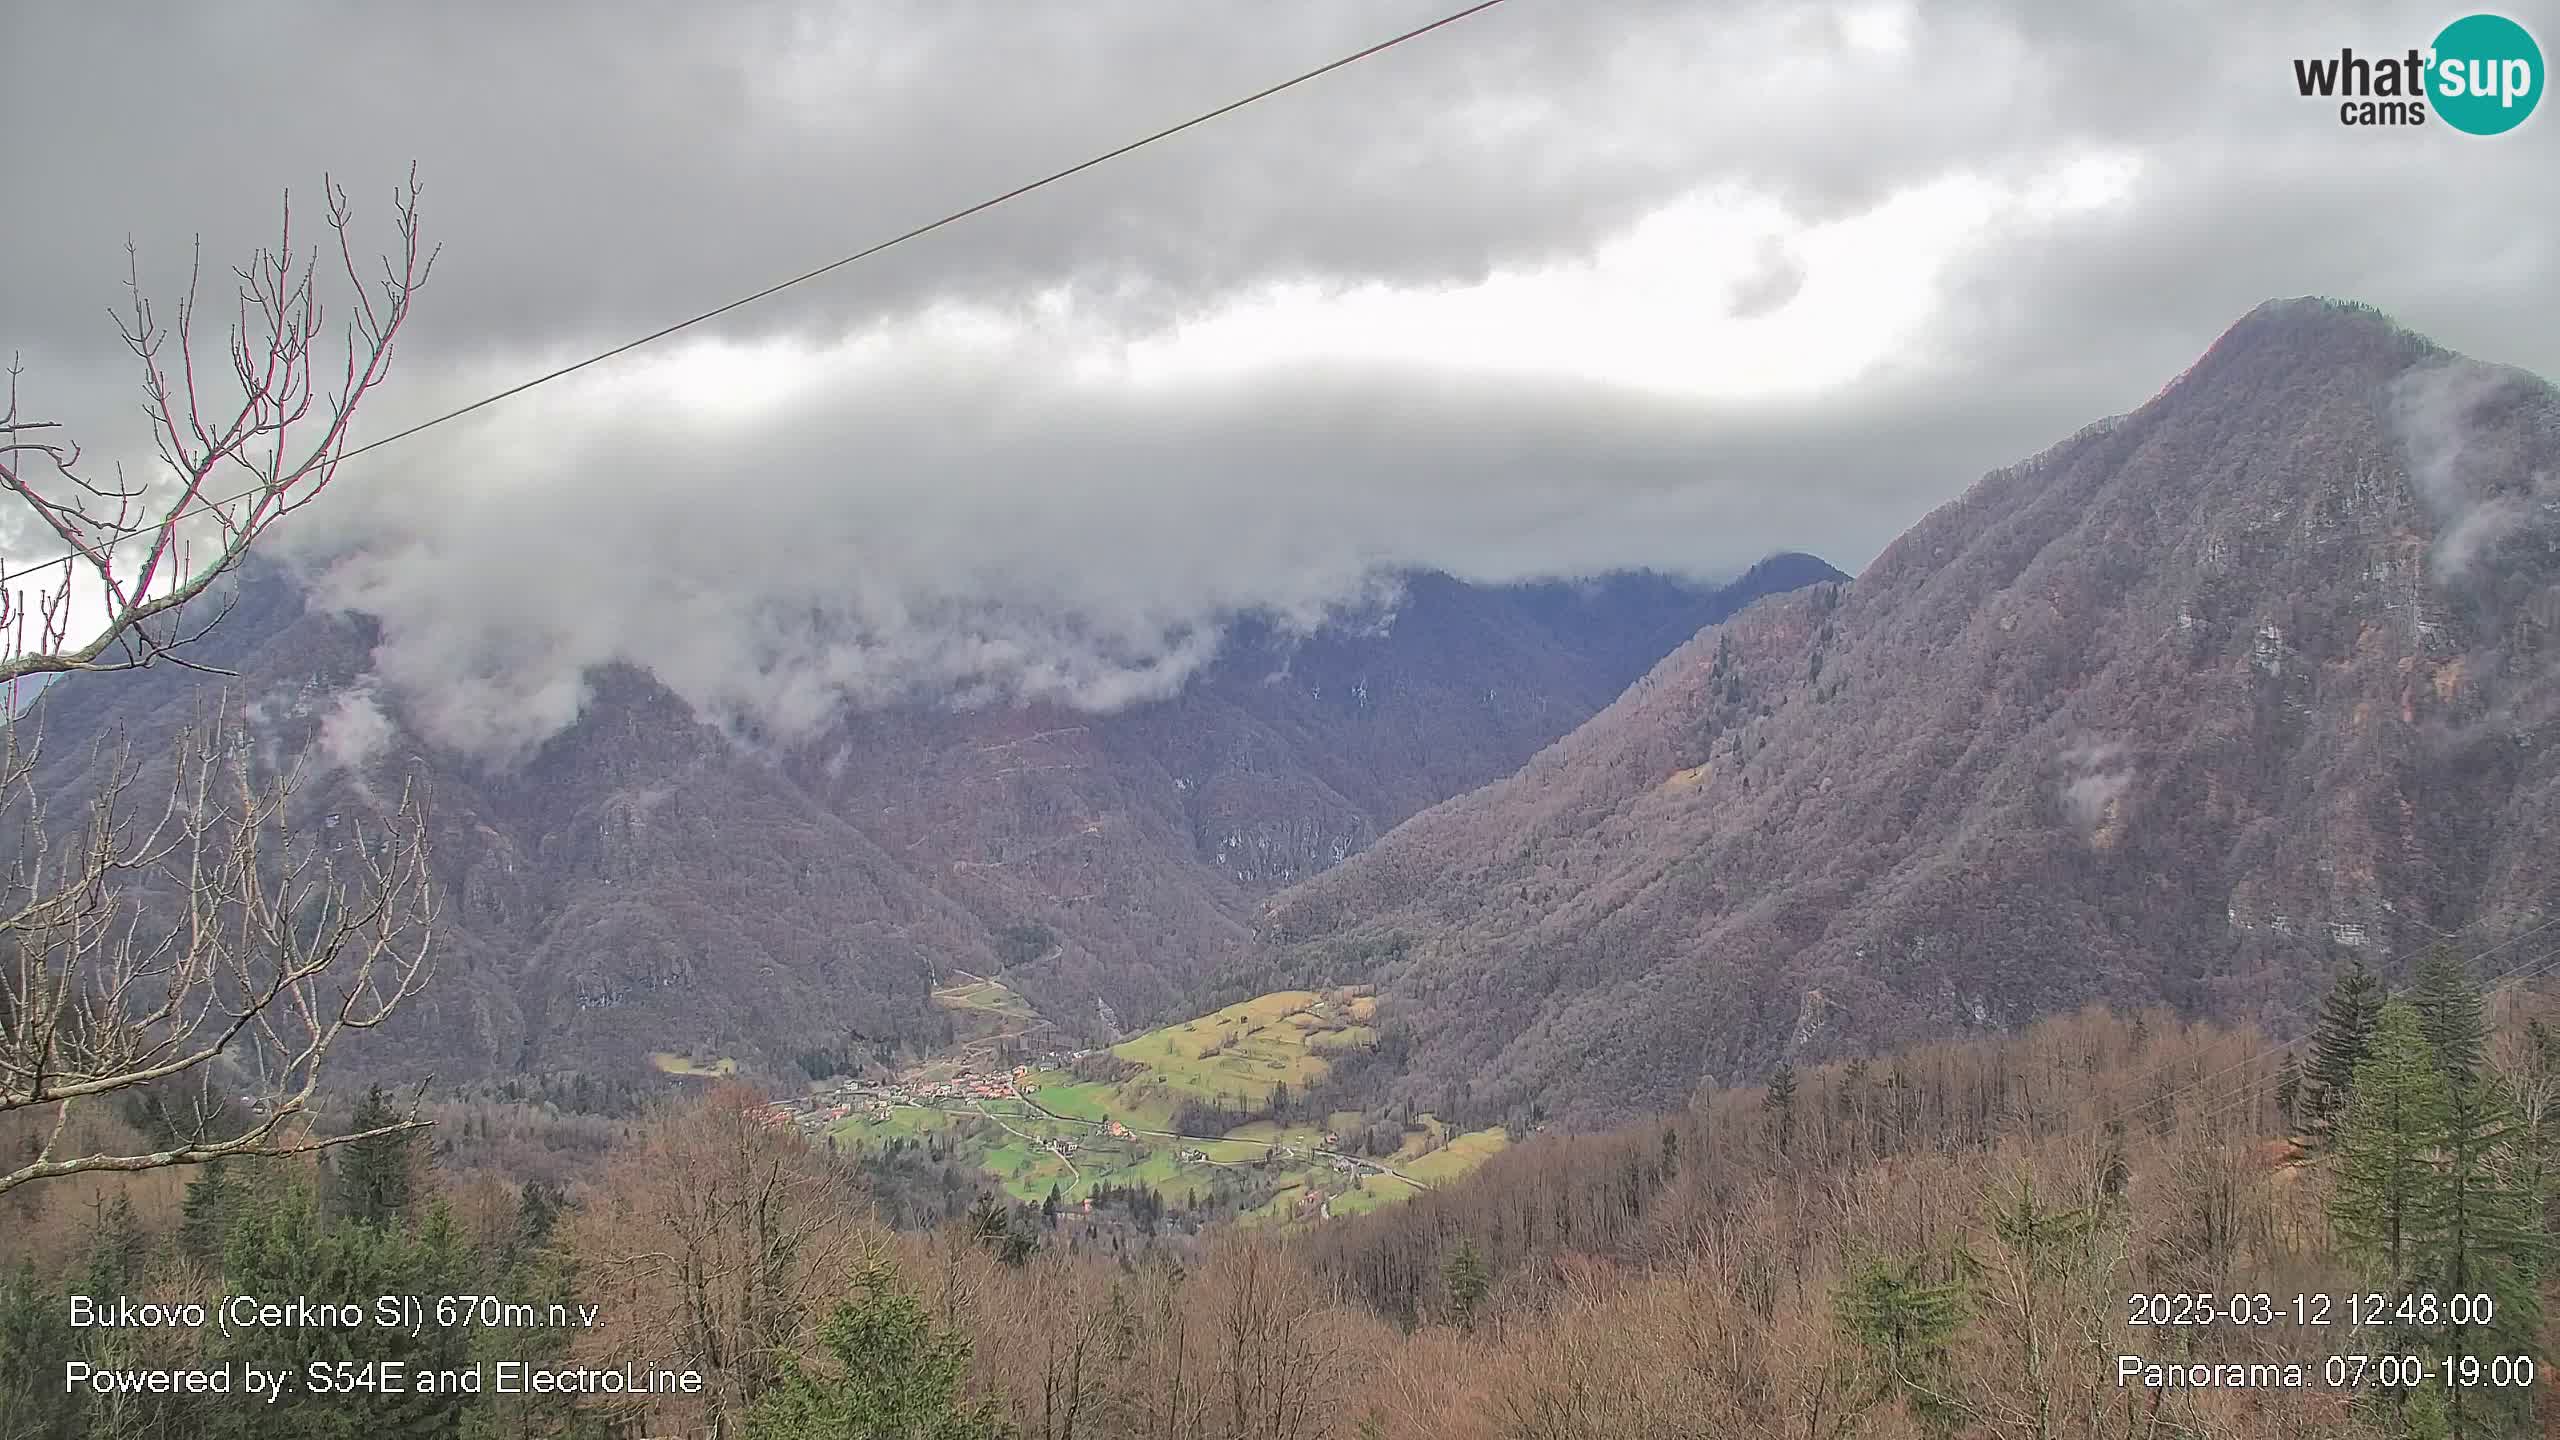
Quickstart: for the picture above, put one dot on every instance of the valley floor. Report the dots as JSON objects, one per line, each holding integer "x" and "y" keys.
{"x": 1036, "y": 1127}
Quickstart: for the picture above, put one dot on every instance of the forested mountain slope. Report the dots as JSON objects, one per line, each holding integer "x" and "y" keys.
{"x": 646, "y": 883}
{"x": 2184, "y": 709}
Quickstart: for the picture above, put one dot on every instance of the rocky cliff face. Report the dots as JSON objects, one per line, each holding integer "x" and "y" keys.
{"x": 644, "y": 882}
{"x": 2187, "y": 708}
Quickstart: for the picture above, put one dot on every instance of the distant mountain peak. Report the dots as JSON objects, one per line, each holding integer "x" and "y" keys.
{"x": 2316, "y": 330}
{"x": 2261, "y": 675}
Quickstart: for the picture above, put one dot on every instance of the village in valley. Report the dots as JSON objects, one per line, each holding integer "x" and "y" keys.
{"x": 1070, "y": 1122}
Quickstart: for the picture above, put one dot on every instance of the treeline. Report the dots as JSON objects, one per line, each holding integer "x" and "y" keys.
{"x": 1947, "y": 1242}
{"x": 576, "y": 1092}
{"x": 852, "y": 1055}
{"x": 914, "y": 1182}
{"x": 367, "y": 1225}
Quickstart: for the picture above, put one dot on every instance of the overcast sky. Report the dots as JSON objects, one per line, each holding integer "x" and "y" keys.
{"x": 1569, "y": 285}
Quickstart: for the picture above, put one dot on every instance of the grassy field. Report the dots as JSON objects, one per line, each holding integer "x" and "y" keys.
{"x": 1455, "y": 1158}
{"x": 668, "y": 1062}
{"x": 1234, "y": 1056}
{"x": 987, "y": 997}
{"x": 1231, "y": 1057}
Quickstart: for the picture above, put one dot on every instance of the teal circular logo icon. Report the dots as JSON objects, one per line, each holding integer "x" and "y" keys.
{"x": 2486, "y": 75}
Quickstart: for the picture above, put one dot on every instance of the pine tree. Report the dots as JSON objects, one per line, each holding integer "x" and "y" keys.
{"x": 1780, "y": 1102}
{"x": 990, "y": 1223}
{"x": 893, "y": 1372}
{"x": 1904, "y": 1323}
{"x": 212, "y": 1198}
{"x": 1049, "y": 1208}
{"x": 2448, "y": 1003}
{"x": 117, "y": 1246}
{"x": 2339, "y": 1042}
{"x": 284, "y": 1245}
{"x": 2385, "y": 1204}
{"x": 538, "y": 1213}
{"x": 376, "y": 1178}
{"x": 2491, "y": 1241}
{"x": 35, "y": 1341}
{"x": 1467, "y": 1283}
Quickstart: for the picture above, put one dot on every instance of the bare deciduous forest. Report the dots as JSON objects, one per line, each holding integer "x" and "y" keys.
{"x": 1943, "y": 1242}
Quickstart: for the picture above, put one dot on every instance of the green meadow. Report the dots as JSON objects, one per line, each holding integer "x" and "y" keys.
{"x": 1230, "y": 1057}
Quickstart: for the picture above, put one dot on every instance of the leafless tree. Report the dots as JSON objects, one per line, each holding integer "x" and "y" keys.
{"x": 711, "y": 1242}
{"x": 145, "y": 548}
{"x": 194, "y": 946}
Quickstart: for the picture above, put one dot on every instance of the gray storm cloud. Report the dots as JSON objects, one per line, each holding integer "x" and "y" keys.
{"x": 997, "y": 534}
{"x": 981, "y": 524}
{"x": 596, "y": 168}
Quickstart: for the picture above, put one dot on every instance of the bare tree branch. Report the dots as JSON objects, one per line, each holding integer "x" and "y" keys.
{"x": 195, "y": 946}
{"x": 234, "y": 466}
{"x": 198, "y": 944}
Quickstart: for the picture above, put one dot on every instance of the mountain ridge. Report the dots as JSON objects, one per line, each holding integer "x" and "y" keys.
{"x": 644, "y": 881}
{"x": 2185, "y": 708}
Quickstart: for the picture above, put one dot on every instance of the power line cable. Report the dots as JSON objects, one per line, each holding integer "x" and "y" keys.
{"x": 868, "y": 251}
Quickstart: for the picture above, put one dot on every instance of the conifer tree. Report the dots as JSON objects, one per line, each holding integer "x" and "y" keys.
{"x": 538, "y": 1213}
{"x": 892, "y": 1372}
{"x": 2385, "y": 1206}
{"x": 2339, "y": 1041}
{"x": 1780, "y": 1102}
{"x": 2490, "y": 1240}
{"x": 2425, "y": 1417}
{"x": 1465, "y": 1277}
{"x": 35, "y": 1341}
{"x": 533, "y": 1271}
{"x": 117, "y": 1246}
{"x": 2490, "y": 1210}
{"x": 1904, "y": 1323}
{"x": 212, "y": 1197}
{"x": 376, "y": 1178}
{"x": 990, "y": 1223}
{"x": 2044, "y": 1265}
{"x": 2448, "y": 1004}
{"x": 283, "y": 1245}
